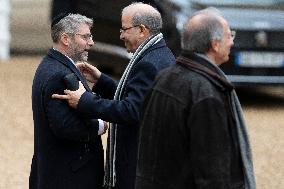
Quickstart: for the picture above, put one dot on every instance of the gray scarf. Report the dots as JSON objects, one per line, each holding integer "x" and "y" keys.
{"x": 241, "y": 132}
{"x": 110, "y": 173}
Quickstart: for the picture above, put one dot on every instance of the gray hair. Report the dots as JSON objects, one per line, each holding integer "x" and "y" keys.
{"x": 69, "y": 24}
{"x": 149, "y": 17}
{"x": 198, "y": 38}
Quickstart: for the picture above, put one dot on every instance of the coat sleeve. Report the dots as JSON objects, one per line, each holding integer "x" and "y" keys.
{"x": 210, "y": 144}
{"x": 127, "y": 110}
{"x": 105, "y": 87}
{"x": 64, "y": 121}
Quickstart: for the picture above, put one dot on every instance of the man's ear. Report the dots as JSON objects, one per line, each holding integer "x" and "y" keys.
{"x": 215, "y": 45}
{"x": 65, "y": 39}
{"x": 144, "y": 30}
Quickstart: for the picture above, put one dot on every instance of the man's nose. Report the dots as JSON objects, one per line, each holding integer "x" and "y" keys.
{"x": 121, "y": 36}
{"x": 91, "y": 42}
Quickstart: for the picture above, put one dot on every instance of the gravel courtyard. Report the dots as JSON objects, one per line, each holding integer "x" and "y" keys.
{"x": 265, "y": 119}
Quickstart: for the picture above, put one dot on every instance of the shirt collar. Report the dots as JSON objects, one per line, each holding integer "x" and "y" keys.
{"x": 65, "y": 55}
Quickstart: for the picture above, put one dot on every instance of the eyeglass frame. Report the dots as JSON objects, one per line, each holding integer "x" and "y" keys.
{"x": 86, "y": 37}
{"x": 233, "y": 34}
{"x": 125, "y": 29}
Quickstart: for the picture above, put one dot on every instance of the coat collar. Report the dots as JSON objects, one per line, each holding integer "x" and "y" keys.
{"x": 67, "y": 62}
{"x": 159, "y": 44}
{"x": 202, "y": 66}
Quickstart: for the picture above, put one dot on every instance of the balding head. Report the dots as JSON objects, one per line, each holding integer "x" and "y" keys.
{"x": 207, "y": 32}
{"x": 200, "y": 30}
{"x": 144, "y": 14}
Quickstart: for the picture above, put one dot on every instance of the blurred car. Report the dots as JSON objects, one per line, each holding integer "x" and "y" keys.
{"x": 109, "y": 51}
{"x": 257, "y": 57}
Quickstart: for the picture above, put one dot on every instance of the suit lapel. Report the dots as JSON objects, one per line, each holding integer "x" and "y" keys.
{"x": 64, "y": 60}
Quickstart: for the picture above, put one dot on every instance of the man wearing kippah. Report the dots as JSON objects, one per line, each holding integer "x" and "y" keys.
{"x": 121, "y": 104}
{"x": 68, "y": 152}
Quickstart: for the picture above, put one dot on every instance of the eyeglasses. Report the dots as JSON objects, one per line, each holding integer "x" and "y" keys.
{"x": 125, "y": 29}
{"x": 86, "y": 36}
{"x": 233, "y": 34}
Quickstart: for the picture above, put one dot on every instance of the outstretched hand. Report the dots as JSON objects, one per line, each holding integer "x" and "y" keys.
{"x": 72, "y": 97}
{"x": 91, "y": 73}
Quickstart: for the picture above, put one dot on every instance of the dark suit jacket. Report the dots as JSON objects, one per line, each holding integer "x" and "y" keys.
{"x": 68, "y": 152}
{"x": 126, "y": 112}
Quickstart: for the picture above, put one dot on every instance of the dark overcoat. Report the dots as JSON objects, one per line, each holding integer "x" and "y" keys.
{"x": 188, "y": 137}
{"x": 68, "y": 152}
{"x": 126, "y": 112}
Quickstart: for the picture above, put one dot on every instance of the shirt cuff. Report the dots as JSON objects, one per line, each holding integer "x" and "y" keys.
{"x": 101, "y": 127}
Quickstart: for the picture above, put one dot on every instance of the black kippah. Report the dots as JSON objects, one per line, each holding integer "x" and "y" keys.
{"x": 58, "y": 17}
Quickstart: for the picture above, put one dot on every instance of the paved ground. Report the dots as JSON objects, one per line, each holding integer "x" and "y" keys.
{"x": 30, "y": 25}
{"x": 263, "y": 113}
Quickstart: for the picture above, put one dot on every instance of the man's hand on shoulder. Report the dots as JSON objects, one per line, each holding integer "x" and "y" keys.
{"x": 72, "y": 97}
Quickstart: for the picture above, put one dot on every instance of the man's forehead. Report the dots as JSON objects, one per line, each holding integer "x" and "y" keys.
{"x": 126, "y": 18}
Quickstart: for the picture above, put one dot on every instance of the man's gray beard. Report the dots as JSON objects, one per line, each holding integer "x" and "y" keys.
{"x": 79, "y": 57}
